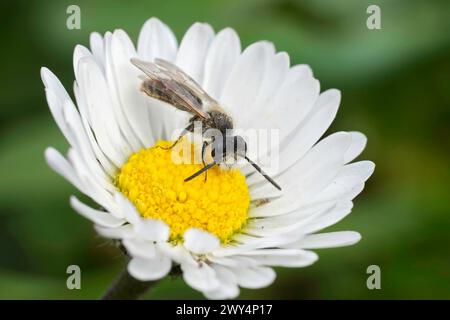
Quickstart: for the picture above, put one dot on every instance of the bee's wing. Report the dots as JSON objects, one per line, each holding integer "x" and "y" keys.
{"x": 173, "y": 86}
{"x": 149, "y": 68}
{"x": 180, "y": 75}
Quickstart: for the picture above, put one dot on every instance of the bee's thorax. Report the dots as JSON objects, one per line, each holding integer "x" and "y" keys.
{"x": 220, "y": 120}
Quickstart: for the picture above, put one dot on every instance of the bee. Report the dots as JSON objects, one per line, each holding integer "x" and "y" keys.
{"x": 166, "y": 82}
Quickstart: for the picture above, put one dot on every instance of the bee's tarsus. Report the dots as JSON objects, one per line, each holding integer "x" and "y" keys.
{"x": 169, "y": 147}
{"x": 205, "y": 144}
{"x": 199, "y": 172}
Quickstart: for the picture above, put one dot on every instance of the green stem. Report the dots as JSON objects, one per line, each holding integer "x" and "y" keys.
{"x": 125, "y": 287}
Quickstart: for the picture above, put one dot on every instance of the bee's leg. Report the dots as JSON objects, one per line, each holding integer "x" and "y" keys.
{"x": 206, "y": 166}
{"x": 186, "y": 130}
{"x": 173, "y": 144}
{"x": 204, "y": 146}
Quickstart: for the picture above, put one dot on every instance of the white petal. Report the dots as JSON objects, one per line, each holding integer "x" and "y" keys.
{"x": 283, "y": 257}
{"x": 94, "y": 90}
{"x": 153, "y": 230}
{"x": 87, "y": 163}
{"x": 220, "y": 59}
{"x": 358, "y": 144}
{"x": 254, "y": 278}
{"x": 284, "y": 108}
{"x": 75, "y": 133}
{"x": 234, "y": 261}
{"x": 247, "y": 243}
{"x": 52, "y": 82}
{"x": 147, "y": 229}
{"x": 339, "y": 212}
{"x": 312, "y": 129}
{"x": 200, "y": 277}
{"x": 354, "y": 191}
{"x": 193, "y": 49}
{"x": 245, "y": 80}
{"x": 101, "y": 218}
{"x": 309, "y": 132}
{"x": 156, "y": 40}
{"x": 79, "y": 53}
{"x": 289, "y": 107}
{"x": 128, "y": 209}
{"x": 60, "y": 165}
{"x": 290, "y": 104}
{"x": 258, "y": 193}
{"x": 200, "y": 241}
{"x": 149, "y": 269}
{"x": 177, "y": 253}
{"x": 96, "y": 187}
{"x": 132, "y": 101}
{"x": 97, "y": 47}
{"x": 123, "y": 232}
{"x": 309, "y": 176}
{"x": 307, "y": 222}
{"x": 116, "y": 107}
{"x": 140, "y": 248}
{"x": 303, "y": 70}
{"x": 109, "y": 168}
{"x": 56, "y": 95}
{"x": 275, "y": 70}
{"x": 327, "y": 240}
{"x": 228, "y": 288}
{"x": 347, "y": 183}
{"x": 284, "y": 223}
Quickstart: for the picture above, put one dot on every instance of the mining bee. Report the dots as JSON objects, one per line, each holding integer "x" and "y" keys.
{"x": 166, "y": 82}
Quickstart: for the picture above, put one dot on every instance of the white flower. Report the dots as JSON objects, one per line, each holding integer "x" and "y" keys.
{"x": 113, "y": 120}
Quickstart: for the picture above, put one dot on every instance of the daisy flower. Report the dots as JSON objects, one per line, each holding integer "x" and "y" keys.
{"x": 230, "y": 231}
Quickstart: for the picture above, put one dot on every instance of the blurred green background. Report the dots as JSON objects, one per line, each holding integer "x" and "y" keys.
{"x": 395, "y": 85}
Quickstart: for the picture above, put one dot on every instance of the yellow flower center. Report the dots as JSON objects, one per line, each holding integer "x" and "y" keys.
{"x": 155, "y": 184}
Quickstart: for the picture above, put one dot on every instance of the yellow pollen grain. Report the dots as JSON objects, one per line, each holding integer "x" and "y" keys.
{"x": 155, "y": 184}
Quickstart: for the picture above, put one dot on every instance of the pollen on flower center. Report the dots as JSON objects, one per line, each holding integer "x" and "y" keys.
{"x": 156, "y": 186}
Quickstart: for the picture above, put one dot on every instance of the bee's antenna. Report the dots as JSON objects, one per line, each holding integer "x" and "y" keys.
{"x": 263, "y": 173}
{"x": 199, "y": 172}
